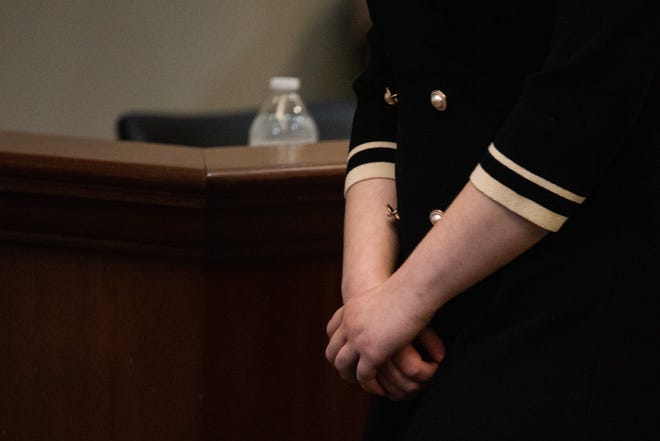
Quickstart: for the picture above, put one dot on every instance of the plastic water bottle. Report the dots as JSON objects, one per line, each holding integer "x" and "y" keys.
{"x": 283, "y": 118}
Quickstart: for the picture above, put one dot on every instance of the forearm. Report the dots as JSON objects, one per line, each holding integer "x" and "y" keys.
{"x": 475, "y": 237}
{"x": 370, "y": 237}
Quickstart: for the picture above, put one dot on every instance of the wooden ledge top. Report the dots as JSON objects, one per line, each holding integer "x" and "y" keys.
{"x": 252, "y": 162}
{"x": 200, "y": 201}
{"x": 158, "y": 167}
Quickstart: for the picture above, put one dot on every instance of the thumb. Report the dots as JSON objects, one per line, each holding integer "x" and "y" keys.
{"x": 431, "y": 344}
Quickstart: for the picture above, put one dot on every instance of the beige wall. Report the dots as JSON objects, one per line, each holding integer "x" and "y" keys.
{"x": 72, "y": 66}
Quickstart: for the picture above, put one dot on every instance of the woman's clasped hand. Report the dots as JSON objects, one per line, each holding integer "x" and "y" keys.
{"x": 380, "y": 340}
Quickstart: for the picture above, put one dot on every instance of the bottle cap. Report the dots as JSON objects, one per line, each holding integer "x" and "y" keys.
{"x": 284, "y": 83}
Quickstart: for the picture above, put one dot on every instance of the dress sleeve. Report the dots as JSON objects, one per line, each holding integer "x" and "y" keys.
{"x": 372, "y": 148}
{"x": 573, "y": 114}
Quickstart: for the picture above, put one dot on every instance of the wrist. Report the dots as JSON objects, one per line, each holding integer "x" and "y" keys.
{"x": 414, "y": 297}
{"x": 356, "y": 284}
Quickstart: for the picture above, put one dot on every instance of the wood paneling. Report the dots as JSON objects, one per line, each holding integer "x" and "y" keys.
{"x": 99, "y": 346}
{"x": 171, "y": 293}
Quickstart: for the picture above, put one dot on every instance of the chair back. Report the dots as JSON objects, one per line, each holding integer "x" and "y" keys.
{"x": 333, "y": 119}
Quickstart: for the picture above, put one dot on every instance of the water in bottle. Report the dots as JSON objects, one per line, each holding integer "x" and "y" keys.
{"x": 283, "y": 118}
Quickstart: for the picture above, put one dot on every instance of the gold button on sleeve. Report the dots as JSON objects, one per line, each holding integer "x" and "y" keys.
{"x": 390, "y": 98}
{"x": 439, "y": 100}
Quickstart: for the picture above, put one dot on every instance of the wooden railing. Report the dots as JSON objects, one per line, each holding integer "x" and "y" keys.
{"x": 153, "y": 292}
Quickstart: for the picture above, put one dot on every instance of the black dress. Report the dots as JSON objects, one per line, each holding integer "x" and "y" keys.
{"x": 553, "y": 110}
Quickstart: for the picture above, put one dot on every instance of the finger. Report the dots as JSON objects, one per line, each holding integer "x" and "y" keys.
{"x": 366, "y": 371}
{"x": 432, "y": 345}
{"x": 346, "y": 363}
{"x": 392, "y": 391}
{"x": 395, "y": 376}
{"x": 374, "y": 387}
{"x": 396, "y": 385}
{"x": 410, "y": 365}
{"x": 337, "y": 341}
{"x": 334, "y": 322}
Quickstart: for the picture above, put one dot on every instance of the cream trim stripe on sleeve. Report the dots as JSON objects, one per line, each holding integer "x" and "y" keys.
{"x": 515, "y": 202}
{"x": 370, "y": 160}
{"x": 538, "y": 180}
{"x": 370, "y": 145}
{"x": 368, "y": 171}
{"x": 531, "y": 196}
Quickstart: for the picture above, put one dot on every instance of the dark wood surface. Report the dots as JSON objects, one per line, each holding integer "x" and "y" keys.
{"x": 172, "y": 293}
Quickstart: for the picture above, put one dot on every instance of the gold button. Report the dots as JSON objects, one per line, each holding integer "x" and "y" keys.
{"x": 391, "y": 98}
{"x": 439, "y": 100}
{"x": 393, "y": 213}
{"x": 435, "y": 216}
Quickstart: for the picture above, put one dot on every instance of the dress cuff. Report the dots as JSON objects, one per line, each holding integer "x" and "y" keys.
{"x": 531, "y": 196}
{"x": 370, "y": 160}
